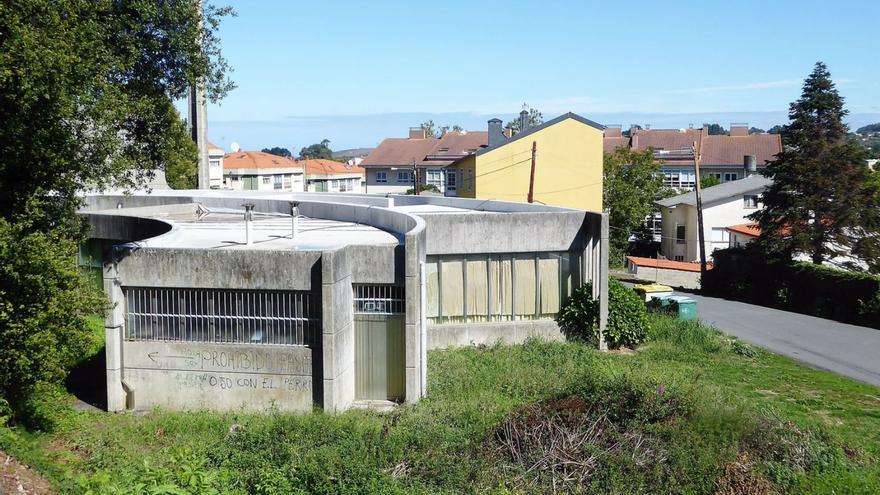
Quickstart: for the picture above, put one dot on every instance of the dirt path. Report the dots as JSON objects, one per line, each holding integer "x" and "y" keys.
{"x": 18, "y": 479}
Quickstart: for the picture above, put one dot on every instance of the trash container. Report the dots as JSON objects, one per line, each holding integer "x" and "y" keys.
{"x": 684, "y": 306}
{"x": 649, "y": 291}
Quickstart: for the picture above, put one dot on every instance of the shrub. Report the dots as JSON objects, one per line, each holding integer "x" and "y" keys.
{"x": 627, "y": 316}
{"x": 45, "y": 306}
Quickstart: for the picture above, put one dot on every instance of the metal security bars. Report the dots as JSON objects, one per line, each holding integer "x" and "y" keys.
{"x": 379, "y": 299}
{"x": 222, "y": 316}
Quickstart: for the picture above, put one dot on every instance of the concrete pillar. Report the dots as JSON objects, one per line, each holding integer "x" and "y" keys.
{"x": 113, "y": 331}
{"x": 603, "y": 281}
{"x": 337, "y": 336}
{"x": 414, "y": 254}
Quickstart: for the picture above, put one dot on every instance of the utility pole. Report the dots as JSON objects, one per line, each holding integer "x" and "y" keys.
{"x": 198, "y": 123}
{"x": 699, "y": 192}
{"x": 531, "y": 197}
{"x": 415, "y": 174}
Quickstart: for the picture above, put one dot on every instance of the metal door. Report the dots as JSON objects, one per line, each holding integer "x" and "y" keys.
{"x": 379, "y": 357}
{"x": 379, "y": 337}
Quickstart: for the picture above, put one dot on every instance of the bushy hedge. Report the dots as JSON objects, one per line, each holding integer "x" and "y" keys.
{"x": 627, "y": 317}
{"x": 745, "y": 274}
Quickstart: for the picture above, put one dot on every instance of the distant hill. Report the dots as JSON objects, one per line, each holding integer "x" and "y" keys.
{"x": 352, "y": 152}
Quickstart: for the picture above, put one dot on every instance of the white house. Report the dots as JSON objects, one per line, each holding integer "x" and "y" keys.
{"x": 258, "y": 171}
{"x": 215, "y": 165}
{"x": 724, "y": 205}
{"x": 332, "y": 176}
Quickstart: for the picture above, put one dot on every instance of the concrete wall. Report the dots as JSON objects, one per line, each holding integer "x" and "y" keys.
{"x": 225, "y": 377}
{"x": 673, "y": 278}
{"x": 510, "y": 332}
{"x": 337, "y": 331}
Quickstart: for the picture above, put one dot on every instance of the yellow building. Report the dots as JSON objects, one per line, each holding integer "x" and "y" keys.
{"x": 568, "y": 164}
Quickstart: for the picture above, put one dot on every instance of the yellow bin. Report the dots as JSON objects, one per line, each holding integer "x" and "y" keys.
{"x": 647, "y": 291}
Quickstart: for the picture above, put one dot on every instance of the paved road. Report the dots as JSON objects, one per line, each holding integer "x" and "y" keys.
{"x": 848, "y": 350}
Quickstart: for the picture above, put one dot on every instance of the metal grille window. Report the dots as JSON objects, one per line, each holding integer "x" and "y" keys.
{"x": 379, "y": 299}
{"x": 222, "y": 316}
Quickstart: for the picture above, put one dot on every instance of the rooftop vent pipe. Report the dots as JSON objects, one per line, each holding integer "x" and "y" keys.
{"x": 248, "y": 220}
{"x": 294, "y": 219}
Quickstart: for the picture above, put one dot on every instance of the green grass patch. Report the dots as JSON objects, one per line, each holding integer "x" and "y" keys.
{"x": 692, "y": 411}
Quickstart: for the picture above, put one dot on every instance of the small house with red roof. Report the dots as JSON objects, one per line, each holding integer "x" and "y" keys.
{"x": 259, "y": 171}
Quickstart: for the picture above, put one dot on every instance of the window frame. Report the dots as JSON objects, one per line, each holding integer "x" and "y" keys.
{"x": 381, "y": 177}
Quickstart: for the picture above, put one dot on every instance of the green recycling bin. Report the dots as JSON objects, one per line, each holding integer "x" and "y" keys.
{"x": 684, "y": 306}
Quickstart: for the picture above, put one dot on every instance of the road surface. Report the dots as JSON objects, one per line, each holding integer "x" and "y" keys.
{"x": 848, "y": 350}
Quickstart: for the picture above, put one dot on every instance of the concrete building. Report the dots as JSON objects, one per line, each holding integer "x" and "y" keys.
{"x": 259, "y": 171}
{"x": 724, "y": 205}
{"x": 249, "y": 300}
{"x": 215, "y": 165}
{"x": 332, "y": 176}
{"x": 392, "y": 166}
{"x": 568, "y": 164}
{"x": 672, "y": 273}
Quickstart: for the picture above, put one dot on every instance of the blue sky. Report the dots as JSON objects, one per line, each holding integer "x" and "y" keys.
{"x": 356, "y": 72}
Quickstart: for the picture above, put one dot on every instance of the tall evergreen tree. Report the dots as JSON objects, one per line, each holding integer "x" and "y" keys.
{"x": 823, "y": 200}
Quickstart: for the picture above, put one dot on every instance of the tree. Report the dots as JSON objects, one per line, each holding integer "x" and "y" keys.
{"x": 716, "y": 130}
{"x": 709, "y": 181}
{"x": 428, "y": 127}
{"x": 823, "y": 200}
{"x": 182, "y": 164}
{"x": 317, "y": 150}
{"x": 756, "y": 130}
{"x": 536, "y": 118}
{"x": 86, "y": 98}
{"x": 277, "y": 151}
{"x": 632, "y": 182}
{"x": 869, "y": 129}
{"x": 776, "y": 129}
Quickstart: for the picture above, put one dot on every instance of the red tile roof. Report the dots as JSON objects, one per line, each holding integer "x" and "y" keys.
{"x": 749, "y": 229}
{"x": 674, "y": 146}
{"x": 256, "y": 159}
{"x": 666, "y": 264}
{"x": 317, "y": 166}
{"x": 402, "y": 152}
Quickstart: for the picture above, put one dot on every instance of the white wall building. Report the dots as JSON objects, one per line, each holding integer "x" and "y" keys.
{"x": 332, "y": 176}
{"x": 215, "y": 165}
{"x": 724, "y": 205}
{"x": 258, "y": 171}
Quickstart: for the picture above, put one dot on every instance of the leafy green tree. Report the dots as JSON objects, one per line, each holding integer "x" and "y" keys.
{"x": 756, "y": 130}
{"x": 709, "y": 181}
{"x": 86, "y": 99}
{"x": 182, "y": 164}
{"x": 776, "y": 129}
{"x": 536, "y": 118}
{"x": 716, "y": 130}
{"x": 429, "y": 128}
{"x": 868, "y": 129}
{"x": 317, "y": 150}
{"x": 278, "y": 151}
{"x": 824, "y": 200}
{"x": 632, "y": 183}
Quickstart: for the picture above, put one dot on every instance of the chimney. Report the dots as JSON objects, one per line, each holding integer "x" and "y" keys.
{"x": 416, "y": 133}
{"x": 750, "y": 165}
{"x": 739, "y": 130}
{"x": 248, "y": 228}
{"x": 523, "y": 121}
{"x": 613, "y": 131}
{"x": 496, "y": 135}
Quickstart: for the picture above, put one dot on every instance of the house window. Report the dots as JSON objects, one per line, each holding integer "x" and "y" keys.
{"x": 720, "y": 235}
{"x": 266, "y": 180}
{"x": 404, "y": 176}
{"x": 750, "y": 201}
{"x": 334, "y": 183}
{"x": 435, "y": 178}
{"x": 679, "y": 178}
{"x": 729, "y": 176}
{"x": 214, "y": 163}
{"x": 381, "y": 176}
{"x": 680, "y": 231}
{"x": 679, "y": 258}
{"x": 470, "y": 180}
{"x": 450, "y": 179}
{"x": 277, "y": 181}
{"x": 287, "y": 181}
